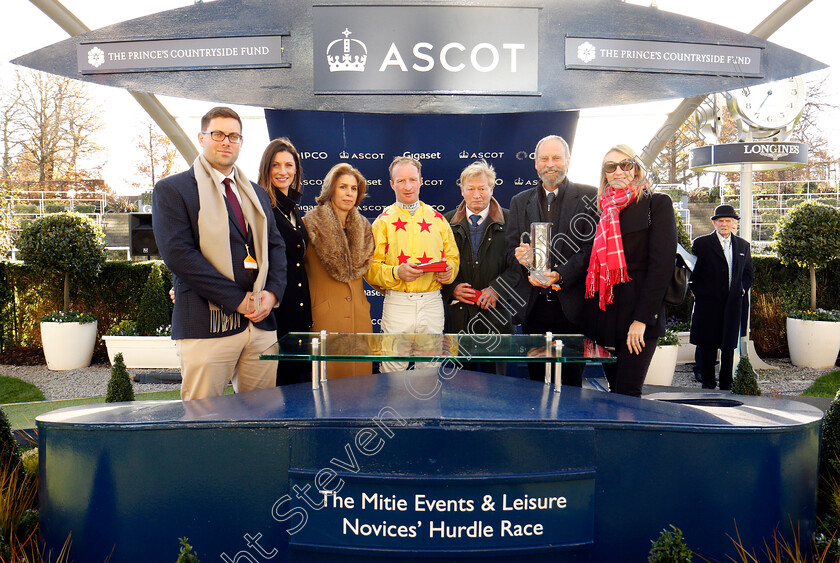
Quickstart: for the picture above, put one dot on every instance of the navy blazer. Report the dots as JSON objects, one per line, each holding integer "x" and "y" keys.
{"x": 572, "y": 233}
{"x": 719, "y": 316}
{"x": 175, "y": 207}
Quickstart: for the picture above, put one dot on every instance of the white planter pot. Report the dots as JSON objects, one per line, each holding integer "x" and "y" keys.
{"x": 662, "y": 366}
{"x": 813, "y": 344}
{"x": 68, "y": 345}
{"x": 144, "y": 351}
{"x": 685, "y": 354}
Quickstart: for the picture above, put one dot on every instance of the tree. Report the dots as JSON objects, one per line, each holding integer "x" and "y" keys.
{"x": 9, "y": 108}
{"x": 64, "y": 243}
{"x": 809, "y": 236}
{"x": 56, "y": 124}
{"x": 158, "y": 156}
{"x": 120, "y": 389}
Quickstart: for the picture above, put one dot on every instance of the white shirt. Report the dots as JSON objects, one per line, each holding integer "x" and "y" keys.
{"x": 726, "y": 244}
{"x": 219, "y": 178}
{"x": 483, "y": 214}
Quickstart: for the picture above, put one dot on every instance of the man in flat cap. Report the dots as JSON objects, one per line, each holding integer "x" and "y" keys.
{"x": 720, "y": 282}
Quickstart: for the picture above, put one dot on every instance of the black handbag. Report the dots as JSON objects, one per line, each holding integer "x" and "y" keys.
{"x": 678, "y": 284}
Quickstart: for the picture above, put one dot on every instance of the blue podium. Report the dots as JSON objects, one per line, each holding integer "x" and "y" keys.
{"x": 483, "y": 468}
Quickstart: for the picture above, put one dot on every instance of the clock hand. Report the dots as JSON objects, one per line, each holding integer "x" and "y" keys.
{"x": 769, "y": 93}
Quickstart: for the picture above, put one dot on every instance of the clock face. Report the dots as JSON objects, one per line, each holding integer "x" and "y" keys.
{"x": 772, "y": 105}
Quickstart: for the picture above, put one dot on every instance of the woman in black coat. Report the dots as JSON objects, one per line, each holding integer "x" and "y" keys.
{"x": 631, "y": 264}
{"x": 281, "y": 177}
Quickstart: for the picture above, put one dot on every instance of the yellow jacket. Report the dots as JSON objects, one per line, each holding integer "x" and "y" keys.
{"x": 401, "y": 237}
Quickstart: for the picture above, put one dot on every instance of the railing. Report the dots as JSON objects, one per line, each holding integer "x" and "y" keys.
{"x": 677, "y": 193}
{"x": 771, "y": 200}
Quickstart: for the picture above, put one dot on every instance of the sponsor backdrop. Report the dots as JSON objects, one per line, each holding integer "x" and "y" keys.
{"x": 444, "y": 145}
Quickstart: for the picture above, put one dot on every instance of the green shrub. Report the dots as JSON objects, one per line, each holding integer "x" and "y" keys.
{"x": 766, "y": 203}
{"x": 54, "y": 208}
{"x": 29, "y": 460}
{"x": 745, "y": 382}
{"x": 154, "y": 311}
{"x": 830, "y": 444}
{"x": 186, "y": 555}
{"x": 809, "y": 236}
{"x": 65, "y": 243}
{"x": 669, "y": 547}
{"x": 670, "y": 339}
{"x": 119, "y": 386}
{"x": 9, "y": 451}
{"x": 123, "y": 328}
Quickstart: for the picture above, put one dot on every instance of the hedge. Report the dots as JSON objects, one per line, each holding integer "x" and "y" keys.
{"x": 25, "y": 297}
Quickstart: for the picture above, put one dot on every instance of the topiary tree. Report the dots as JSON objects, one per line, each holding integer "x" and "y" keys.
{"x": 809, "y": 236}
{"x": 68, "y": 244}
{"x": 154, "y": 311}
{"x": 119, "y": 386}
{"x": 745, "y": 382}
{"x": 669, "y": 547}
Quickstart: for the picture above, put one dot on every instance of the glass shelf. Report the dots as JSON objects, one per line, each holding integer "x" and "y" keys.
{"x": 437, "y": 347}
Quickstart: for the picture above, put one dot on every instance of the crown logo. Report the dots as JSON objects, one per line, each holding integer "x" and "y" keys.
{"x": 464, "y": 154}
{"x": 344, "y": 155}
{"x": 349, "y": 57}
{"x": 518, "y": 182}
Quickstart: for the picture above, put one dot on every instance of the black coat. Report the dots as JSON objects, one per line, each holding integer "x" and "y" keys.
{"x": 491, "y": 270}
{"x": 719, "y": 316}
{"x": 294, "y": 314}
{"x": 571, "y": 246}
{"x": 649, "y": 235}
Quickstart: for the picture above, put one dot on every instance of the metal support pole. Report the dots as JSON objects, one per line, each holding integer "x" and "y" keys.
{"x": 548, "y": 338}
{"x": 558, "y": 366}
{"x": 315, "y": 348}
{"x": 323, "y": 353}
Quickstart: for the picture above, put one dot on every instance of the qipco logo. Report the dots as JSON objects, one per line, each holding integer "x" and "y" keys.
{"x": 314, "y": 155}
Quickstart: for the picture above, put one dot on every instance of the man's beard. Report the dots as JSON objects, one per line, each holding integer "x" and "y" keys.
{"x": 549, "y": 183}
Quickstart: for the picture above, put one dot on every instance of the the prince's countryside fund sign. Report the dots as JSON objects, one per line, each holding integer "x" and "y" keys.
{"x": 421, "y": 49}
{"x": 180, "y": 54}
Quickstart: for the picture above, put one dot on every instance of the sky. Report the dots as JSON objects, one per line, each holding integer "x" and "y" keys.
{"x": 810, "y": 32}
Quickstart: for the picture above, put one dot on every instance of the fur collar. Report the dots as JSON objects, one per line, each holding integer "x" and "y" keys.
{"x": 495, "y": 214}
{"x": 345, "y": 257}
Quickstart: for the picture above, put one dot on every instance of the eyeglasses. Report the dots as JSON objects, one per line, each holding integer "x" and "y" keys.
{"x": 218, "y": 136}
{"x": 626, "y": 165}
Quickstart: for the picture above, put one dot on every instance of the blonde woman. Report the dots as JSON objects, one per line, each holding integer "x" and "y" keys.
{"x": 630, "y": 266}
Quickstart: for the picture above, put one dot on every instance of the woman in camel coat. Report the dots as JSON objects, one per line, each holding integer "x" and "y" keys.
{"x": 340, "y": 252}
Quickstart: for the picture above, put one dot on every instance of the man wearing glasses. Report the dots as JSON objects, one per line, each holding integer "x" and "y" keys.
{"x": 216, "y": 232}
{"x": 553, "y": 298}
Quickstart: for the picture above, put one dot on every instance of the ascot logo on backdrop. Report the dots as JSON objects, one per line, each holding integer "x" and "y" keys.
{"x": 432, "y": 49}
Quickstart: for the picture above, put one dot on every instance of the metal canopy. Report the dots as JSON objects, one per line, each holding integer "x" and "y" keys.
{"x": 558, "y": 87}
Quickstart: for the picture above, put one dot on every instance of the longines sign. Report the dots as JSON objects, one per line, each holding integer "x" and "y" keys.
{"x": 425, "y": 49}
{"x": 762, "y": 155}
{"x": 180, "y": 54}
{"x": 662, "y": 56}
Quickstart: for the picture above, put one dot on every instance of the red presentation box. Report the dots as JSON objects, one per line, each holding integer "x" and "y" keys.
{"x": 439, "y": 266}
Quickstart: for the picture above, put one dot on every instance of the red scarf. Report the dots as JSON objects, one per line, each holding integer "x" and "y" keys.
{"x": 607, "y": 265}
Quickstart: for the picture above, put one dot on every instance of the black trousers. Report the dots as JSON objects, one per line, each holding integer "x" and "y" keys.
{"x": 548, "y": 316}
{"x": 627, "y": 375}
{"x": 708, "y": 357}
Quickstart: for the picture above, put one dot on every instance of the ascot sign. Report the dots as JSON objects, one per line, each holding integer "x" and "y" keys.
{"x": 437, "y": 49}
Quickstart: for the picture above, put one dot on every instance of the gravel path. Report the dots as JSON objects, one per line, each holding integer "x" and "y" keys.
{"x": 788, "y": 380}
{"x": 93, "y": 381}
{"x": 72, "y": 384}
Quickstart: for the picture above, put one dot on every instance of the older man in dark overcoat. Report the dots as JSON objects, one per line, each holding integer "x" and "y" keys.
{"x": 720, "y": 282}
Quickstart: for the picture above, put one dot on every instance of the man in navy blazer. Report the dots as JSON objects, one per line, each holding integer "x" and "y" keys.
{"x": 721, "y": 279}
{"x": 216, "y": 232}
{"x": 552, "y": 301}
